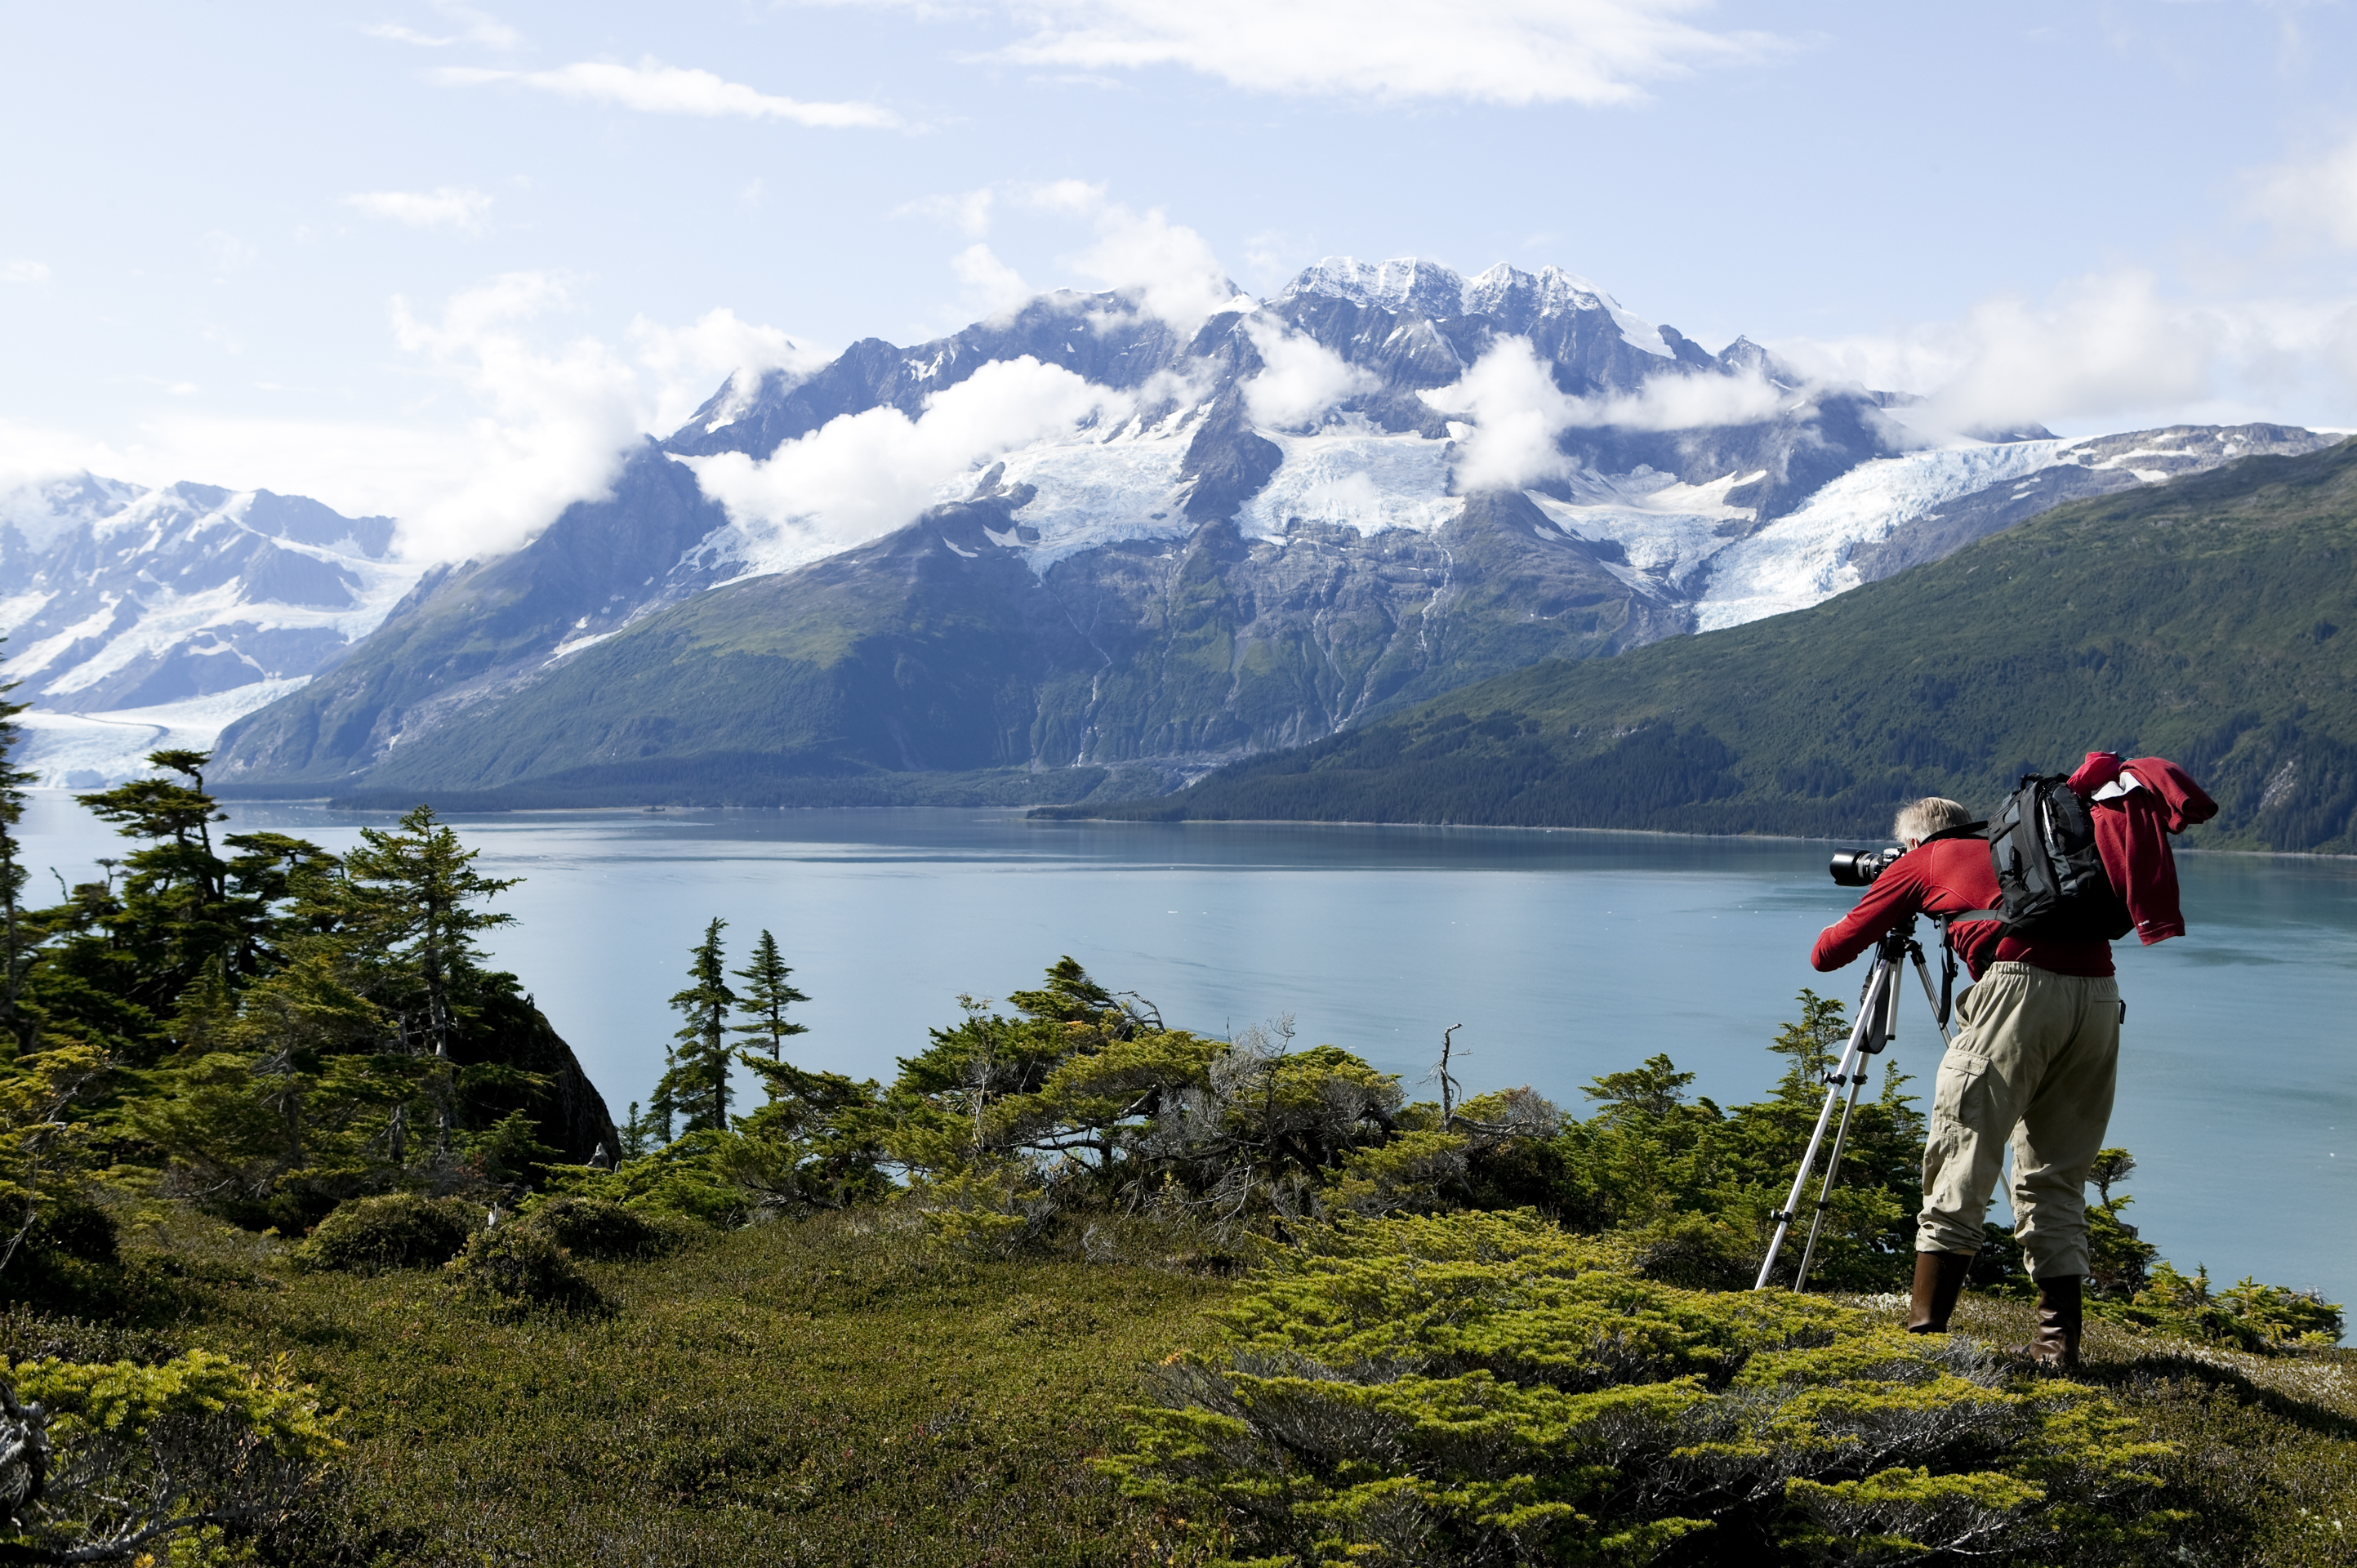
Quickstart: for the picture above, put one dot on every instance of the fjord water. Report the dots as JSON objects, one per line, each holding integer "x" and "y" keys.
{"x": 1563, "y": 955}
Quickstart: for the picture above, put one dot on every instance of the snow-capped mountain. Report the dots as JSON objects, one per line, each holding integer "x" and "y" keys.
{"x": 140, "y": 618}
{"x": 1290, "y": 516}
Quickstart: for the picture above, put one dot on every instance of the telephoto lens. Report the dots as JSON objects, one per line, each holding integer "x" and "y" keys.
{"x": 1858, "y": 868}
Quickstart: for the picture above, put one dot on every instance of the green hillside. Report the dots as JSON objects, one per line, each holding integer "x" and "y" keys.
{"x": 2202, "y": 621}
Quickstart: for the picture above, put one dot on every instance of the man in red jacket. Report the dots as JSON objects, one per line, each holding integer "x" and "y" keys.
{"x": 2032, "y": 1064}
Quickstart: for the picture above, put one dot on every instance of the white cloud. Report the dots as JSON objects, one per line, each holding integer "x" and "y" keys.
{"x": 524, "y": 424}
{"x": 23, "y": 271}
{"x": 687, "y": 362}
{"x": 2103, "y": 346}
{"x": 478, "y": 28}
{"x": 555, "y": 425}
{"x": 989, "y": 285}
{"x": 862, "y": 474}
{"x": 652, "y": 87}
{"x": 1592, "y": 52}
{"x": 2311, "y": 198}
{"x": 1517, "y": 413}
{"x": 1301, "y": 379}
{"x": 1687, "y": 402}
{"x": 445, "y": 207}
{"x": 1168, "y": 267}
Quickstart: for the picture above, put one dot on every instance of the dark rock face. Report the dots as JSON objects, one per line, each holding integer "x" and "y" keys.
{"x": 509, "y": 1031}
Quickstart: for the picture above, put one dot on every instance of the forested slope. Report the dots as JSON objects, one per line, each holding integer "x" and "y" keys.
{"x": 2203, "y": 619}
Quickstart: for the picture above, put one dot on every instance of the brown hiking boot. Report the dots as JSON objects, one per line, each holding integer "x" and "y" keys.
{"x": 2055, "y": 1346}
{"x": 1939, "y": 1279}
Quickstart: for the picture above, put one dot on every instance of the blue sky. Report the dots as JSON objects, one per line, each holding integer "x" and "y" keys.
{"x": 385, "y": 252}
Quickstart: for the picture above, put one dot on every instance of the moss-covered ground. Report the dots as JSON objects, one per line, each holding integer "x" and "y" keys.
{"x": 790, "y": 1393}
{"x": 833, "y": 1391}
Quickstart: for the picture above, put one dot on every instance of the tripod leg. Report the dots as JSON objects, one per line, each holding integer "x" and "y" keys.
{"x": 1923, "y": 973}
{"x": 1884, "y": 1025}
{"x": 1852, "y": 1061}
{"x": 1832, "y": 1175}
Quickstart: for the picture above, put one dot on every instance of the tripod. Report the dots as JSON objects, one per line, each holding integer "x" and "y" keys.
{"x": 1876, "y": 1027}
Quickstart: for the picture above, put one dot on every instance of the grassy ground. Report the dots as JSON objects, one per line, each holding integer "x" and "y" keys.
{"x": 786, "y": 1394}
{"x": 828, "y": 1393}
{"x": 2266, "y": 1463}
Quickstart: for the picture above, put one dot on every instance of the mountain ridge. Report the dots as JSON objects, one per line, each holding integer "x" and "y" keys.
{"x": 2202, "y": 621}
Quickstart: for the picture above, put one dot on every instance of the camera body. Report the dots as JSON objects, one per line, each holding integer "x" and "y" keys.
{"x": 1858, "y": 868}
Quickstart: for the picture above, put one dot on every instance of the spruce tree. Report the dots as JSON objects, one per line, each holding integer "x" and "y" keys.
{"x": 413, "y": 892}
{"x": 16, "y": 944}
{"x": 1810, "y": 1046}
{"x": 767, "y": 995}
{"x": 697, "y": 1082}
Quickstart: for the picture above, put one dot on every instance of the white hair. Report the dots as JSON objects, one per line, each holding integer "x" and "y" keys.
{"x": 1921, "y": 818}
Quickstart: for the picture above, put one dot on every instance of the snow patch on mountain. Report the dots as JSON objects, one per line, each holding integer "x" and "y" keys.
{"x": 1667, "y": 528}
{"x": 1092, "y": 492}
{"x": 113, "y": 596}
{"x": 1353, "y": 474}
{"x": 1803, "y": 558}
{"x": 91, "y": 751}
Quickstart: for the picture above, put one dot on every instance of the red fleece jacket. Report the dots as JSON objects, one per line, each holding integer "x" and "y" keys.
{"x": 2132, "y": 834}
{"x": 1949, "y": 874}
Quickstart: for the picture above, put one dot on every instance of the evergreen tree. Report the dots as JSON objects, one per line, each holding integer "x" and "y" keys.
{"x": 662, "y": 1112}
{"x": 1811, "y": 1046}
{"x": 411, "y": 896}
{"x": 17, "y": 942}
{"x": 696, "y": 1084}
{"x": 638, "y": 1134}
{"x": 120, "y": 956}
{"x": 767, "y": 995}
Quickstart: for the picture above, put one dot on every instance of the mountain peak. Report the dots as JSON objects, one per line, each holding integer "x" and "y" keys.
{"x": 1506, "y": 293}
{"x": 1404, "y": 283}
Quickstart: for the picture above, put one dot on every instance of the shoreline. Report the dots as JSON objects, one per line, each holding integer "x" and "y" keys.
{"x": 325, "y": 801}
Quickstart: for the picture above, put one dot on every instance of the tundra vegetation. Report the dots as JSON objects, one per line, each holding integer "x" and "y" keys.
{"x": 298, "y": 1273}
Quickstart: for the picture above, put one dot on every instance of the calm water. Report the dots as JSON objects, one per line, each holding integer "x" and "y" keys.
{"x": 1563, "y": 954}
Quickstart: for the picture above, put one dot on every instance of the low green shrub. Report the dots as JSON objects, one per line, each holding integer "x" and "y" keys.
{"x": 27, "y": 1335}
{"x": 1489, "y": 1389}
{"x": 396, "y": 1230}
{"x": 118, "y": 1462}
{"x": 515, "y": 1268}
{"x": 2248, "y": 1316}
{"x": 605, "y": 1230}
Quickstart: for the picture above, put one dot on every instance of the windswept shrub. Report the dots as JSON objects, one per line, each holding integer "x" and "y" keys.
{"x": 121, "y": 1462}
{"x": 1489, "y": 1389}
{"x": 2248, "y": 1316}
{"x": 396, "y": 1230}
{"x": 30, "y": 1336}
{"x": 599, "y": 1229}
{"x": 514, "y": 1268}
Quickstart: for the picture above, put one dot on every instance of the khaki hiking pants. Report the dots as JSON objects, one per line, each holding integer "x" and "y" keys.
{"x": 2033, "y": 1065}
